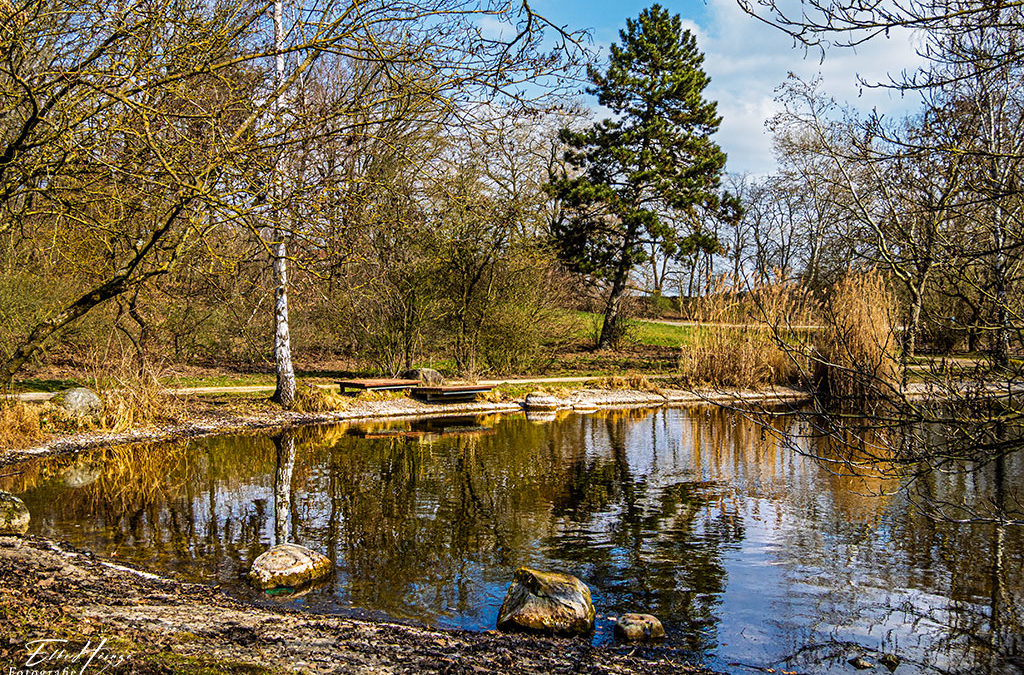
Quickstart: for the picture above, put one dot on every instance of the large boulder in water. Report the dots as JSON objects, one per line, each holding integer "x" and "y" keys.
{"x": 547, "y": 602}
{"x": 288, "y": 565}
{"x": 637, "y": 627}
{"x": 14, "y": 516}
{"x": 79, "y": 403}
{"x": 427, "y": 376}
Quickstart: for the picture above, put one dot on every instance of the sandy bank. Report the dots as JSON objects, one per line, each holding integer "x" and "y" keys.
{"x": 140, "y": 623}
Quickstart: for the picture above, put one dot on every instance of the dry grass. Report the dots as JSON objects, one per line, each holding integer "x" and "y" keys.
{"x": 737, "y": 357}
{"x": 856, "y": 350}
{"x": 313, "y": 399}
{"x": 634, "y": 382}
{"x": 750, "y": 349}
{"x": 24, "y": 423}
{"x": 134, "y": 399}
{"x": 769, "y": 304}
{"x": 20, "y": 423}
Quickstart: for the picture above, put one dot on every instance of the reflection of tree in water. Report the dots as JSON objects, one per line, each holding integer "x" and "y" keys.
{"x": 645, "y": 508}
{"x": 414, "y": 524}
{"x": 944, "y": 539}
{"x": 648, "y": 548}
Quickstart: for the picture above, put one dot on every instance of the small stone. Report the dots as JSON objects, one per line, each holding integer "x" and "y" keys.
{"x": 890, "y": 661}
{"x": 540, "y": 401}
{"x": 547, "y": 602}
{"x": 427, "y": 376}
{"x": 860, "y": 664}
{"x": 14, "y": 515}
{"x": 637, "y": 627}
{"x": 288, "y": 565}
{"x": 80, "y": 403}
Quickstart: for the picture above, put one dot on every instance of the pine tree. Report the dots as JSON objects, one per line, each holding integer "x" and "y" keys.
{"x": 650, "y": 165}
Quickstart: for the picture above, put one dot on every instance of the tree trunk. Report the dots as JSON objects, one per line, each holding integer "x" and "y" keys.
{"x": 609, "y": 329}
{"x": 285, "y": 392}
{"x": 913, "y": 322}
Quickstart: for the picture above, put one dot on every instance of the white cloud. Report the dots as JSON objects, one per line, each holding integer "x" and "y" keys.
{"x": 747, "y": 60}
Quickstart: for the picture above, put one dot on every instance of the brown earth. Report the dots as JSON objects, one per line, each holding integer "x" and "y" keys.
{"x": 132, "y": 622}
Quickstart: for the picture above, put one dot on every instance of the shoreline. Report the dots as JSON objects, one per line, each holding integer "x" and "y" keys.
{"x": 209, "y": 424}
{"x": 133, "y": 621}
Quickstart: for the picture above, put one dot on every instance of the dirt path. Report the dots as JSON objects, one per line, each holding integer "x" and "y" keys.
{"x": 39, "y": 396}
{"x": 140, "y": 623}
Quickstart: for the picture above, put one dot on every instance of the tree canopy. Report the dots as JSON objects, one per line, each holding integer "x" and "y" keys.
{"x": 631, "y": 176}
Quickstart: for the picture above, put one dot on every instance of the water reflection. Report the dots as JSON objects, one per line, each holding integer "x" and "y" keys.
{"x": 749, "y": 551}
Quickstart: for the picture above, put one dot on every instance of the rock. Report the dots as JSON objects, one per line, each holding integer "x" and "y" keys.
{"x": 539, "y": 401}
{"x": 288, "y": 565}
{"x": 80, "y": 403}
{"x": 546, "y": 602}
{"x": 890, "y": 661}
{"x": 427, "y": 376}
{"x": 860, "y": 664}
{"x": 584, "y": 407}
{"x": 80, "y": 475}
{"x": 637, "y": 627}
{"x": 14, "y": 516}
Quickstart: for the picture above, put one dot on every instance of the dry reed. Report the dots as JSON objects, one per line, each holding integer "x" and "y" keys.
{"x": 855, "y": 359}
{"x": 748, "y": 336}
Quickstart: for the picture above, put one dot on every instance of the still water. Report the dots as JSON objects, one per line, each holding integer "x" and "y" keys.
{"x": 750, "y": 552}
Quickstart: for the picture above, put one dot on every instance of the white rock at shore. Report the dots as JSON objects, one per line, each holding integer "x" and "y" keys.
{"x": 288, "y": 565}
{"x": 540, "y": 401}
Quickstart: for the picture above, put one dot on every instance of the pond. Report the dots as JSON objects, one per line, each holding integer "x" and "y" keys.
{"x": 751, "y": 553}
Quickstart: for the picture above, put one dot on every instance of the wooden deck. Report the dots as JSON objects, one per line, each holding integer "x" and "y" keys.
{"x": 450, "y": 394}
{"x": 376, "y": 384}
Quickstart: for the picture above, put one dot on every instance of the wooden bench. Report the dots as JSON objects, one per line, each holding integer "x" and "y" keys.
{"x": 450, "y": 394}
{"x": 376, "y": 384}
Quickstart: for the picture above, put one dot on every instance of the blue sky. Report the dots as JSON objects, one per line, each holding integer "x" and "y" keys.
{"x": 747, "y": 61}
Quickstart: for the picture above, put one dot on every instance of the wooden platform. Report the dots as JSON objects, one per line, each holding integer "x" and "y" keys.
{"x": 376, "y": 385}
{"x": 450, "y": 394}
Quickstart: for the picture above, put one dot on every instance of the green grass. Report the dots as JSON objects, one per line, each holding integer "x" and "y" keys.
{"x": 661, "y": 334}
{"x": 34, "y": 385}
{"x": 639, "y": 331}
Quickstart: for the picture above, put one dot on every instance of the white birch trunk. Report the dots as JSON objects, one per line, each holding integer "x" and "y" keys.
{"x": 285, "y": 392}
